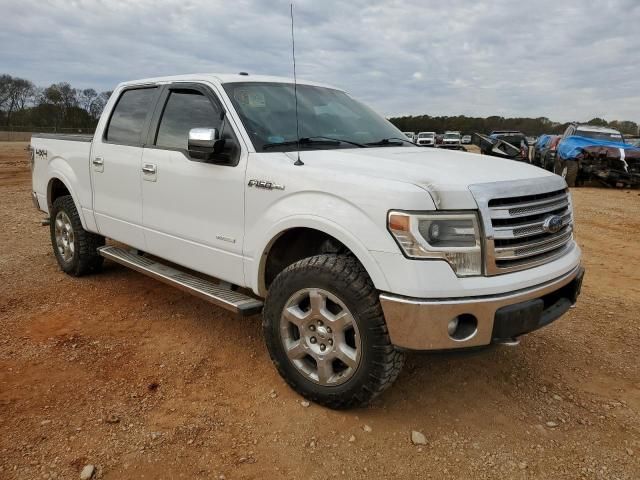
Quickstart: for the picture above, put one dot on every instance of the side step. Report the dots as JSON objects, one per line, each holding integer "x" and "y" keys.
{"x": 223, "y": 297}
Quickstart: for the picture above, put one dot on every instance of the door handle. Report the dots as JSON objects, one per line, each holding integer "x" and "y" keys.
{"x": 149, "y": 168}
{"x": 98, "y": 164}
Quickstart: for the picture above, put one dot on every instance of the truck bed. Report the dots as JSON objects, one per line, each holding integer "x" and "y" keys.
{"x": 64, "y": 157}
{"x": 76, "y": 137}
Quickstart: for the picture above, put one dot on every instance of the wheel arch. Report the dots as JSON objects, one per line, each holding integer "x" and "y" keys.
{"x": 58, "y": 186}
{"x": 310, "y": 238}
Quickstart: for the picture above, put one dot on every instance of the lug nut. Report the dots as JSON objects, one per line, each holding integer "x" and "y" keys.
{"x": 328, "y": 329}
{"x": 320, "y": 322}
{"x": 313, "y": 340}
{"x": 312, "y": 328}
{"x": 323, "y": 347}
{"x": 330, "y": 341}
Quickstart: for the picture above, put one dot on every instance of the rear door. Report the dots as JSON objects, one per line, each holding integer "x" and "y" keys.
{"x": 116, "y": 166}
{"x": 193, "y": 211}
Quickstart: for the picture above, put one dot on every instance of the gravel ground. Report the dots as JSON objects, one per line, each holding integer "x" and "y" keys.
{"x": 139, "y": 380}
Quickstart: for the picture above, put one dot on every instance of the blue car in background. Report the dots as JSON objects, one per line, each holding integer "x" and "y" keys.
{"x": 588, "y": 152}
{"x": 544, "y": 151}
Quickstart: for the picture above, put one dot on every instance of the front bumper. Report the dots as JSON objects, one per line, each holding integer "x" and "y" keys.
{"x": 426, "y": 324}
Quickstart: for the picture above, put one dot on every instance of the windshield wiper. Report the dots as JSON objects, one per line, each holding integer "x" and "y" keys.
{"x": 316, "y": 140}
{"x": 390, "y": 141}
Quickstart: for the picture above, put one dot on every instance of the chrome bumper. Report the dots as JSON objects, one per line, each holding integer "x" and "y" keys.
{"x": 425, "y": 324}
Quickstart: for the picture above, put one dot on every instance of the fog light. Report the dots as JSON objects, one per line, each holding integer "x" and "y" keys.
{"x": 452, "y": 326}
{"x": 463, "y": 327}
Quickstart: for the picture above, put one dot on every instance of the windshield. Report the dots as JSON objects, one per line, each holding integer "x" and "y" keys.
{"x": 450, "y": 136}
{"x": 267, "y": 111}
{"x": 426, "y": 135}
{"x": 612, "y": 137}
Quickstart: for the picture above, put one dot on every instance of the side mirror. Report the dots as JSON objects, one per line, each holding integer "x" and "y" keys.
{"x": 204, "y": 143}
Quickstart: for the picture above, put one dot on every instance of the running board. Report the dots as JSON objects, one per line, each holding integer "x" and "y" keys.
{"x": 223, "y": 297}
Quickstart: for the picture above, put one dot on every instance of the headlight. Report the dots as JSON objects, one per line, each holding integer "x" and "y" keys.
{"x": 453, "y": 237}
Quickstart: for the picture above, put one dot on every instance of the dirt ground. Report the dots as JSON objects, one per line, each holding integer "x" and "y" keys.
{"x": 143, "y": 381}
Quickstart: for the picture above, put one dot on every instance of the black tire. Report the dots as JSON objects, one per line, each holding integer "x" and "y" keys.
{"x": 85, "y": 258}
{"x": 571, "y": 176}
{"x": 568, "y": 169}
{"x": 344, "y": 277}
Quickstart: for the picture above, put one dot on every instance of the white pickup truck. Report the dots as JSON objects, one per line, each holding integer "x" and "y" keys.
{"x": 355, "y": 244}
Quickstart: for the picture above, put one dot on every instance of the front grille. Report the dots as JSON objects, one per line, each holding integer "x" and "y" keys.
{"x": 519, "y": 238}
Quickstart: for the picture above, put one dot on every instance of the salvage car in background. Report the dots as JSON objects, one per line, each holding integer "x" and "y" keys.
{"x": 466, "y": 139}
{"x": 588, "y": 152}
{"x": 544, "y": 151}
{"x": 411, "y": 136}
{"x": 426, "y": 139}
{"x": 504, "y": 144}
{"x": 452, "y": 140}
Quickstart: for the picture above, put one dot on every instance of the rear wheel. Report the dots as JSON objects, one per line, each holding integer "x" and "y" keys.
{"x": 326, "y": 333}
{"x": 75, "y": 248}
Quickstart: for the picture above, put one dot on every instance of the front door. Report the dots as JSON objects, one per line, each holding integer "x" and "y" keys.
{"x": 116, "y": 167}
{"x": 193, "y": 212}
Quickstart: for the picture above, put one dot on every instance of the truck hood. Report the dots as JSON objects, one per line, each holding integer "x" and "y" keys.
{"x": 445, "y": 174}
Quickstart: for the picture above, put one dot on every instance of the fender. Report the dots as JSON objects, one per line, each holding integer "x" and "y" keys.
{"x": 254, "y": 267}
{"x": 59, "y": 169}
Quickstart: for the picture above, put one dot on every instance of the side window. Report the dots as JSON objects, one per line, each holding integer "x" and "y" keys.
{"x": 129, "y": 115}
{"x": 184, "y": 110}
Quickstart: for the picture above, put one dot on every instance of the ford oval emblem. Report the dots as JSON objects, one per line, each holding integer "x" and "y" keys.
{"x": 552, "y": 224}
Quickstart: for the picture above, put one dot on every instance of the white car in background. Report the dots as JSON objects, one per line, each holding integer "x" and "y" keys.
{"x": 426, "y": 139}
{"x": 411, "y": 136}
{"x": 451, "y": 140}
{"x": 466, "y": 139}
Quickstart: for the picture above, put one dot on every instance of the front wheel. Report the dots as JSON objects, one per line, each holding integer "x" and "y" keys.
{"x": 326, "y": 332}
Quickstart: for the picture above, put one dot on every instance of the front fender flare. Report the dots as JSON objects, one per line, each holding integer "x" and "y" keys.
{"x": 255, "y": 270}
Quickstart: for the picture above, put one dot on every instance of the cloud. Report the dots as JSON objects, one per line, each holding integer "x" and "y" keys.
{"x": 540, "y": 58}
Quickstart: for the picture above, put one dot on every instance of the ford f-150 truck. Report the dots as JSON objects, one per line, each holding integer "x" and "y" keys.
{"x": 354, "y": 244}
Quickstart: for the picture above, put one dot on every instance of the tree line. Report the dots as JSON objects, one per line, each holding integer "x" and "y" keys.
{"x": 469, "y": 125}
{"x": 62, "y": 107}
{"x": 56, "y": 107}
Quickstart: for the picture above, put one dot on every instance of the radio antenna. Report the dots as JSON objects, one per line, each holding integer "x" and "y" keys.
{"x": 295, "y": 88}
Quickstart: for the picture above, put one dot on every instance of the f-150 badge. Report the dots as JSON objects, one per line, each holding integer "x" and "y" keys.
{"x": 265, "y": 185}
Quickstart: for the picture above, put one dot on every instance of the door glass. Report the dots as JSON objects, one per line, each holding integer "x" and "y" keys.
{"x": 129, "y": 115}
{"x": 185, "y": 109}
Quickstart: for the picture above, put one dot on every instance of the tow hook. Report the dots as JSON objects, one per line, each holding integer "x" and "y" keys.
{"x": 45, "y": 222}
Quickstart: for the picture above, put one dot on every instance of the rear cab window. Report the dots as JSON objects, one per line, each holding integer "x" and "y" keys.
{"x": 129, "y": 117}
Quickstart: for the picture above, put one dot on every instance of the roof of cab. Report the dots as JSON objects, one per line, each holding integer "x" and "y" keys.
{"x": 221, "y": 78}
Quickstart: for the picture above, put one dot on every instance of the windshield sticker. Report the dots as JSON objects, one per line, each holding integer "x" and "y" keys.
{"x": 249, "y": 99}
{"x": 275, "y": 139}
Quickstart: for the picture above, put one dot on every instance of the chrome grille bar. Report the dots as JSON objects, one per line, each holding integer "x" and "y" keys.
{"x": 525, "y": 229}
{"x": 517, "y": 219}
{"x": 529, "y": 249}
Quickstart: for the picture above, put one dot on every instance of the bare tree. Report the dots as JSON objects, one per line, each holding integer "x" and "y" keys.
{"x": 99, "y": 104}
{"x": 86, "y": 98}
{"x": 19, "y": 91}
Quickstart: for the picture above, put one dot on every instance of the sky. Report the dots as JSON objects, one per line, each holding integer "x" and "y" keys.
{"x": 570, "y": 60}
